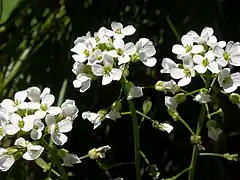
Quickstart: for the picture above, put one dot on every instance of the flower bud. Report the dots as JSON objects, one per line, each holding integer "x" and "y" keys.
{"x": 234, "y": 98}
{"x": 180, "y": 98}
{"x": 147, "y": 105}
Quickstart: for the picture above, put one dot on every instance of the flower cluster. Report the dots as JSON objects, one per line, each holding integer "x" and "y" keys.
{"x": 202, "y": 55}
{"x": 106, "y": 55}
{"x": 30, "y": 117}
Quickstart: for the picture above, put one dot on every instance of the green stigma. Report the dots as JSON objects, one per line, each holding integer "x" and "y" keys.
{"x": 188, "y": 48}
{"x": 21, "y": 124}
{"x": 43, "y": 107}
{"x": 86, "y": 52}
{"x": 205, "y": 62}
{"x": 107, "y": 69}
{"x": 226, "y": 56}
{"x": 187, "y": 72}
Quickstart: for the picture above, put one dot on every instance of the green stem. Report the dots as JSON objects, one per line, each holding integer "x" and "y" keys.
{"x": 211, "y": 154}
{"x": 136, "y": 133}
{"x": 190, "y": 93}
{"x": 216, "y": 112}
{"x": 84, "y": 157}
{"x": 172, "y": 27}
{"x": 186, "y": 125}
{"x": 182, "y": 172}
{"x": 55, "y": 160}
{"x": 144, "y": 157}
{"x": 195, "y": 148}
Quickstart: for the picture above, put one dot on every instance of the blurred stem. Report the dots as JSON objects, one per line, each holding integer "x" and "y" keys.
{"x": 55, "y": 159}
{"x": 144, "y": 157}
{"x": 62, "y": 92}
{"x": 172, "y": 27}
{"x": 195, "y": 148}
{"x": 182, "y": 172}
{"x": 135, "y": 131}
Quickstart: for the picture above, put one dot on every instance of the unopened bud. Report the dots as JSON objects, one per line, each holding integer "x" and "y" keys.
{"x": 147, "y": 105}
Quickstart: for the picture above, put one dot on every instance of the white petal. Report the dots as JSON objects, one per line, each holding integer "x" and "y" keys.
{"x": 200, "y": 69}
{"x": 229, "y": 87}
{"x": 36, "y": 134}
{"x": 225, "y": 73}
{"x": 11, "y": 129}
{"x": 198, "y": 59}
{"x": 167, "y": 64}
{"x": 50, "y": 120}
{"x": 187, "y": 40}
{"x": 40, "y": 114}
{"x": 210, "y": 56}
{"x": 128, "y": 30}
{"x": 236, "y": 78}
{"x": 129, "y": 49}
{"x": 149, "y": 50}
{"x": 134, "y": 92}
{"x": 23, "y": 105}
{"x": 107, "y": 79}
{"x": 178, "y": 49}
{"x": 123, "y": 60}
{"x": 85, "y": 85}
{"x": 166, "y": 127}
{"x": 54, "y": 110}
{"x": 15, "y": 118}
{"x": 34, "y": 105}
{"x": 107, "y": 60}
{"x": 218, "y": 52}
{"x": 8, "y": 104}
{"x": 28, "y": 123}
{"x": 235, "y": 59}
{"x": 213, "y": 67}
{"x": 77, "y": 83}
{"x": 45, "y": 91}
{"x": 207, "y": 31}
{"x": 222, "y": 62}
{"x": 71, "y": 159}
{"x": 33, "y": 93}
{"x": 150, "y": 62}
{"x": 79, "y": 58}
{"x": 48, "y": 100}
{"x": 65, "y": 125}
{"x": 20, "y": 96}
{"x": 116, "y": 26}
{"x": 118, "y": 43}
{"x": 116, "y": 74}
{"x": 97, "y": 69}
{"x": 231, "y": 47}
{"x": 59, "y": 139}
{"x": 221, "y": 44}
{"x": 6, "y": 161}
{"x": 33, "y": 152}
{"x": 184, "y": 81}
{"x": 197, "y": 49}
{"x": 177, "y": 73}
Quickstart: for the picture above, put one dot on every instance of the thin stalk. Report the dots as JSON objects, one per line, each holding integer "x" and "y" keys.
{"x": 172, "y": 27}
{"x": 136, "y": 134}
{"x": 186, "y": 125}
{"x": 211, "y": 154}
{"x": 182, "y": 172}
{"x": 144, "y": 157}
{"x": 195, "y": 148}
{"x": 216, "y": 112}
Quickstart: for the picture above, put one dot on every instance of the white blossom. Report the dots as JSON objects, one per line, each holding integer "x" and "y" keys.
{"x": 18, "y": 103}
{"x": 184, "y": 73}
{"x": 3, "y": 121}
{"x": 57, "y": 129}
{"x": 107, "y": 71}
{"x": 187, "y": 47}
{"x": 166, "y": 127}
{"x": 118, "y": 31}
{"x": 70, "y": 159}
{"x": 33, "y": 151}
{"x": 202, "y": 97}
{"x": 69, "y": 109}
{"x": 230, "y": 55}
{"x": 6, "y": 161}
{"x": 83, "y": 82}
{"x": 134, "y": 92}
{"x": 36, "y": 132}
{"x": 167, "y": 65}
{"x": 99, "y": 152}
{"x": 165, "y": 86}
{"x": 145, "y": 51}
{"x": 94, "y": 118}
{"x": 206, "y": 62}
{"x": 114, "y": 112}
{"x": 18, "y": 123}
{"x": 229, "y": 82}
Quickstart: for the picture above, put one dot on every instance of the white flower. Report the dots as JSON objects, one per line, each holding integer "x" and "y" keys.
{"x": 94, "y": 118}
{"x": 165, "y": 86}
{"x": 107, "y": 71}
{"x": 36, "y": 132}
{"x": 185, "y": 73}
{"x": 83, "y": 50}
{"x": 212, "y": 42}
{"x": 145, "y": 51}
{"x": 70, "y": 159}
{"x": 205, "y": 36}
{"x": 166, "y": 127}
{"x": 56, "y": 129}
{"x": 119, "y": 32}
{"x": 134, "y": 92}
{"x": 187, "y": 47}
{"x": 97, "y": 57}
{"x": 202, "y": 97}
{"x": 167, "y": 65}
{"x": 3, "y": 122}
{"x": 114, "y": 112}
{"x": 101, "y": 35}
{"x": 69, "y": 109}
{"x": 34, "y": 93}
{"x": 229, "y": 82}
{"x": 18, "y": 103}
{"x": 18, "y": 123}
{"x": 6, "y": 161}
{"x": 172, "y": 102}
{"x": 230, "y": 55}
{"x": 33, "y": 151}
{"x": 82, "y": 39}
{"x": 123, "y": 50}
{"x": 79, "y": 68}
{"x": 46, "y": 107}
{"x": 206, "y": 62}
{"x": 99, "y": 152}
{"x": 83, "y": 82}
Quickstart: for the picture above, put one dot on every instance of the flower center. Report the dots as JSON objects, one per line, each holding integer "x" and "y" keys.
{"x": 1, "y": 131}
{"x": 226, "y": 56}
{"x": 227, "y": 80}
{"x": 43, "y": 107}
{"x": 188, "y": 48}
{"x": 97, "y": 39}
{"x": 21, "y": 123}
{"x": 187, "y": 72}
{"x": 118, "y": 31}
{"x": 119, "y": 52}
{"x": 86, "y": 52}
{"x": 107, "y": 69}
{"x": 35, "y": 127}
{"x": 99, "y": 57}
{"x": 205, "y": 62}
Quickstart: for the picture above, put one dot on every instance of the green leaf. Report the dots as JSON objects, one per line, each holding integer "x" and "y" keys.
{"x": 6, "y": 9}
{"x": 41, "y": 163}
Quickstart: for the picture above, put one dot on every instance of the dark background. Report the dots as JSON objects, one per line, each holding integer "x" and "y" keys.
{"x": 49, "y": 27}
